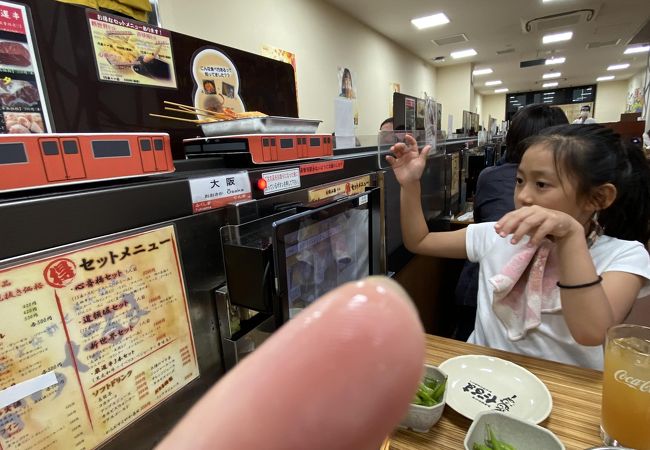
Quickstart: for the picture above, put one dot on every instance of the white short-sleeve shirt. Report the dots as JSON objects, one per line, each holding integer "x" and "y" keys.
{"x": 552, "y": 339}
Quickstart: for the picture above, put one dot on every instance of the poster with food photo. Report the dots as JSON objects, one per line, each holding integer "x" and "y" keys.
{"x": 282, "y": 55}
{"x": 131, "y": 52}
{"x": 217, "y": 82}
{"x": 23, "y": 108}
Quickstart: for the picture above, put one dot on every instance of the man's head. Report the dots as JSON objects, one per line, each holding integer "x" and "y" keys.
{"x": 386, "y": 125}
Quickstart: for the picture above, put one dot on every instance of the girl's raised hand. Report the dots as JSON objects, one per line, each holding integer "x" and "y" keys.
{"x": 408, "y": 162}
{"x": 538, "y": 223}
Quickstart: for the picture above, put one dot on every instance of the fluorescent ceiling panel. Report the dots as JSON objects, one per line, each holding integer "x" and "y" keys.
{"x": 486, "y": 71}
{"x": 631, "y": 50}
{"x": 430, "y": 21}
{"x": 554, "y": 61}
{"x": 463, "y": 53}
{"x": 558, "y": 37}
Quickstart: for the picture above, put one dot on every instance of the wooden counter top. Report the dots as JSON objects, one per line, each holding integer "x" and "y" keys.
{"x": 576, "y": 392}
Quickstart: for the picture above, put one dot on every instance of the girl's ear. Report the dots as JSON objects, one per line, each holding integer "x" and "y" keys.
{"x": 603, "y": 196}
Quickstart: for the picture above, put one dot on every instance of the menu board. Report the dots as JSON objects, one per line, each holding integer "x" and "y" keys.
{"x": 131, "y": 52}
{"x": 22, "y": 102}
{"x": 91, "y": 340}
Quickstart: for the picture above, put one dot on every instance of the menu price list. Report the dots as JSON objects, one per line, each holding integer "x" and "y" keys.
{"x": 111, "y": 323}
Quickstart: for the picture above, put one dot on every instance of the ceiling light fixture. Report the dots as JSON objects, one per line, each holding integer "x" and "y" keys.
{"x": 618, "y": 66}
{"x": 493, "y": 83}
{"x": 554, "y": 61}
{"x": 607, "y": 78}
{"x": 548, "y": 76}
{"x": 549, "y": 93}
{"x": 547, "y": 85}
{"x": 430, "y": 21}
{"x": 641, "y": 49}
{"x": 558, "y": 37}
{"x": 464, "y": 53}
{"x": 486, "y": 71}
{"x": 499, "y": 91}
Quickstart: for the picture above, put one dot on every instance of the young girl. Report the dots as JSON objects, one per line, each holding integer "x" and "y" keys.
{"x": 573, "y": 181}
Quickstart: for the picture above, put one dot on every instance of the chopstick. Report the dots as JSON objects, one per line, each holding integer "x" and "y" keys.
{"x": 167, "y": 108}
{"x": 204, "y": 112}
{"x": 191, "y": 108}
{"x": 180, "y": 119}
{"x": 386, "y": 444}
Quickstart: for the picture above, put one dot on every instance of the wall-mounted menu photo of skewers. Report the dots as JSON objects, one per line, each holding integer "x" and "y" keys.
{"x": 23, "y": 107}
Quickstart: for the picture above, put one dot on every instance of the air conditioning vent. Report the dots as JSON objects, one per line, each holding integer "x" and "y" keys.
{"x": 450, "y": 40}
{"x": 611, "y": 43}
{"x": 532, "y": 62}
{"x": 506, "y": 51}
{"x": 556, "y": 21}
{"x": 438, "y": 59}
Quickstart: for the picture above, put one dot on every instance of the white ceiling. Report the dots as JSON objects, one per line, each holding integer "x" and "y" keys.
{"x": 497, "y": 25}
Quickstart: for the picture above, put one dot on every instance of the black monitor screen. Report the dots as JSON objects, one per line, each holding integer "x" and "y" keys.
{"x": 321, "y": 249}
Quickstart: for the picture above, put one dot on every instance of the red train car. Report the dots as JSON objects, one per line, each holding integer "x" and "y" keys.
{"x": 264, "y": 148}
{"x": 34, "y": 160}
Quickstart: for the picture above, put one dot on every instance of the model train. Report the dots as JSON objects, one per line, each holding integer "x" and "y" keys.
{"x": 263, "y": 148}
{"x": 36, "y": 160}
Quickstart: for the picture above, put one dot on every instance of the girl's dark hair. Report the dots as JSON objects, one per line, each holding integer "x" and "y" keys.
{"x": 593, "y": 155}
{"x": 346, "y": 74}
{"x": 527, "y": 122}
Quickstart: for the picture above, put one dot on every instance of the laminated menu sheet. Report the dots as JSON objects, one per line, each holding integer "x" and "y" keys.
{"x": 23, "y": 104}
{"x": 92, "y": 339}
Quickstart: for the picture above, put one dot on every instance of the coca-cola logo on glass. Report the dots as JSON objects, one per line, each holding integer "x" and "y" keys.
{"x": 622, "y": 376}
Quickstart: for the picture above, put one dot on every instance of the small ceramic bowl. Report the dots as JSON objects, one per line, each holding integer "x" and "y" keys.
{"x": 521, "y": 434}
{"x": 422, "y": 418}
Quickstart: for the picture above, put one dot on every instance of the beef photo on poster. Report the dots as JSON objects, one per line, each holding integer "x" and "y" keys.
{"x": 23, "y": 123}
{"x": 15, "y": 54}
{"x": 18, "y": 93}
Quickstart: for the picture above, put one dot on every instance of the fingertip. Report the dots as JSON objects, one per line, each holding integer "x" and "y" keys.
{"x": 347, "y": 366}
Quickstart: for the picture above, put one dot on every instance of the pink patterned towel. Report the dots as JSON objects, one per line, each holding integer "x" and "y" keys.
{"x": 526, "y": 288}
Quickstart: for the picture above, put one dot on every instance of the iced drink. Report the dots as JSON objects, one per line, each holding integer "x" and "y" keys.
{"x": 626, "y": 387}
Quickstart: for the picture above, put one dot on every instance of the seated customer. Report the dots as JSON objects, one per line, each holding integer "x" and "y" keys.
{"x": 495, "y": 197}
{"x": 584, "y": 118}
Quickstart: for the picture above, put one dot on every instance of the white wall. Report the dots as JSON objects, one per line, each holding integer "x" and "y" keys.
{"x": 494, "y": 106}
{"x": 610, "y": 101}
{"x": 322, "y": 38}
{"x": 454, "y": 90}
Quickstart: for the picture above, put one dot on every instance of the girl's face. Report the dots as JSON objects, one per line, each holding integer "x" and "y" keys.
{"x": 538, "y": 183}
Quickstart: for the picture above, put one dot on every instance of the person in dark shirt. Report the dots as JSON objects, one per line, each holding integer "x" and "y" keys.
{"x": 494, "y": 198}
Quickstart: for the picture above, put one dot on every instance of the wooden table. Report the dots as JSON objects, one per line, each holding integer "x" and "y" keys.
{"x": 576, "y": 392}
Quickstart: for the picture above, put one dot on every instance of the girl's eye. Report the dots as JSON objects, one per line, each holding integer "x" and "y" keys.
{"x": 541, "y": 184}
{"x": 519, "y": 180}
